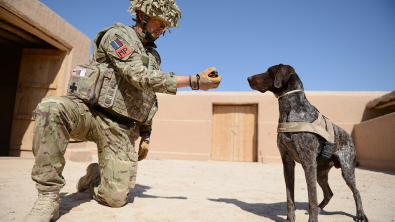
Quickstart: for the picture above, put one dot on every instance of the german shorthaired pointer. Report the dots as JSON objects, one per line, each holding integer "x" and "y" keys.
{"x": 305, "y": 147}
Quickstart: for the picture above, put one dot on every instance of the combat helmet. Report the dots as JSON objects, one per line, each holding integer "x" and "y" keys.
{"x": 165, "y": 10}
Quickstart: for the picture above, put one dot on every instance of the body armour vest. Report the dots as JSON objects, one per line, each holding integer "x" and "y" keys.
{"x": 321, "y": 126}
{"x": 101, "y": 84}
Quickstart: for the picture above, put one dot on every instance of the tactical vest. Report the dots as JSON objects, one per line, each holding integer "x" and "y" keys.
{"x": 98, "y": 84}
{"x": 321, "y": 126}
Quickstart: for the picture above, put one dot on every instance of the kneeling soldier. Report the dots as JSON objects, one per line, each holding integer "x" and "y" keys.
{"x": 117, "y": 113}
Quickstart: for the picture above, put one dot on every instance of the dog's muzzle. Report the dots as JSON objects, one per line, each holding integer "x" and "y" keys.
{"x": 253, "y": 86}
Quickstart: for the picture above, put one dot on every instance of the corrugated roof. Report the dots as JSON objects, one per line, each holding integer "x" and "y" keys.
{"x": 387, "y": 100}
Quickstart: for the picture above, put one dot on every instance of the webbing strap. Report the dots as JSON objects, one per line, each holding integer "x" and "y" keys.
{"x": 84, "y": 122}
{"x": 194, "y": 82}
{"x": 134, "y": 36}
{"x": 321, "y": 126}
{"x": 96, "y": 41}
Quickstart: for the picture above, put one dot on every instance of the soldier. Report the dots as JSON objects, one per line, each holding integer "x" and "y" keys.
{"x": 130, "y": 52}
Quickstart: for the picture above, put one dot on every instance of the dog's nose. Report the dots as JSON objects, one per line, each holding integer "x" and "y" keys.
{"x": 249, "y": 79}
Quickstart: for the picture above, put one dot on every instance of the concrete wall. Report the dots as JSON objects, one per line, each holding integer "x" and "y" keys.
{"x": 375, "y": 142}
{"x": 182, "y": 128}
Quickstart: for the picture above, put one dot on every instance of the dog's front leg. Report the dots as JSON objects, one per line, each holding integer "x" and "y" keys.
{"x": 309, "y": 165}
{"x": 289, "y": 176}
{"x": 310, "y": 171}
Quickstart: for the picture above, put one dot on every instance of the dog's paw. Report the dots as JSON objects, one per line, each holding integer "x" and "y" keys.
{"x": 290, "y": 218}
{"x": 361, "y": 218}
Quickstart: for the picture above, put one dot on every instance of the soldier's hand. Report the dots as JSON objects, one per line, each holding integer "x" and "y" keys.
{"x": 204, "y": 80}
{"x": 144, "y": 145}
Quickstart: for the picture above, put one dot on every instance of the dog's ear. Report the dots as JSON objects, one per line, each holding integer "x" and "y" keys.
{"x": 283, "y": 74}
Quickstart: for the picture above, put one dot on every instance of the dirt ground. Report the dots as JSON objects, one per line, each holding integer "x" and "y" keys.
{"x": 174, "y": 190}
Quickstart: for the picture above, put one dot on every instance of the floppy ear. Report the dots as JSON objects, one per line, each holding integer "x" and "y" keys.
{"x": 283, "y": 74}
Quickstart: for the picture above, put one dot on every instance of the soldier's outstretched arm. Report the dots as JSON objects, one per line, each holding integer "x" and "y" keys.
{"x": 124, "y": 55}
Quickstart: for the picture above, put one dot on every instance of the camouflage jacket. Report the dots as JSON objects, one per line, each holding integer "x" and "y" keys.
{"x": 115, "y": 48}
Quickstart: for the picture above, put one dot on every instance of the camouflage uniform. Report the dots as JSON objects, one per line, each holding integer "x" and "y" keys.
{"x": 57, "y": 118}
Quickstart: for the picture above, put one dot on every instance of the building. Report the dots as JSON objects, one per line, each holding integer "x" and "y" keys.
{"x": 38, "y": 50}
{"x": 374, "y": 136}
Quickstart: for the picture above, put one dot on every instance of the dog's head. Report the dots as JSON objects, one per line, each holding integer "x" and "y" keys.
{"x": 276, "y": 77}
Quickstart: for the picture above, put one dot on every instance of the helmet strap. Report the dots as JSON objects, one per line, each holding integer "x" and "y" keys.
{"x": 148, "y": 36}
{"x": 144, "y": 25}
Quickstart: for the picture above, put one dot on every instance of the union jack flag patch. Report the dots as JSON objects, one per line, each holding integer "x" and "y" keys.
{"x": 116, "y": 44}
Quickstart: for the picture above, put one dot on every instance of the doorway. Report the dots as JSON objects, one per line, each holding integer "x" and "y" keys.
{"x": 234, "y": 133}
{"x": 31, "y": 68}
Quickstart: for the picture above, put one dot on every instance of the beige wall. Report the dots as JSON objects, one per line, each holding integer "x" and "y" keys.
{"x": 182, "y": 128}
{"x": 375, "y": 142}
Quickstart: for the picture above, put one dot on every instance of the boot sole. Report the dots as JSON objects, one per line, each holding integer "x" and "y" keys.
{"x": 55, "y": 216}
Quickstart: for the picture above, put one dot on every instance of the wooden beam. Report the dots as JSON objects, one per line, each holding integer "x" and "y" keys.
{"x": 14, "y": 38}
{"x": 15, "y": 20}
{"x": 385, "y": 105}
{"x": 7, "y": 42}
{"x": 21, "y": 33}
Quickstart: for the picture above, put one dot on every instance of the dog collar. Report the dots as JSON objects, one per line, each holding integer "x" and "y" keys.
{"x": 293, "y": 91}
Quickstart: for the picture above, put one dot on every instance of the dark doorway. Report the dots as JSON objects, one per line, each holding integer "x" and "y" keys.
{"x": 10, "y": 59}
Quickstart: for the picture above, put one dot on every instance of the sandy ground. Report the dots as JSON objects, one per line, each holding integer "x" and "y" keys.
{"x": 173, "y": 190}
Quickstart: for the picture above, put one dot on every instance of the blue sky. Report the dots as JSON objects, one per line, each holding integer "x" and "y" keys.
{"x": 333, "y": 45}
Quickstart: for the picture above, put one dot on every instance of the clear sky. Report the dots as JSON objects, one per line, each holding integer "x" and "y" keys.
{"x": 338, "y": 45}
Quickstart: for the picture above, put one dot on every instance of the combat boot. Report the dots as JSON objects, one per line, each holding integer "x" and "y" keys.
{"x": 92, "y": 172}
{"x": 45, "y": 209}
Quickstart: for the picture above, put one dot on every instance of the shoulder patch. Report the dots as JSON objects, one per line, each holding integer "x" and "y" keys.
{"x": 116, "y": 44}
{"x": 123, "y": 51}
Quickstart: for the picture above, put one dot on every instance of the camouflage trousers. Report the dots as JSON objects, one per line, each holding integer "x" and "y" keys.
{"x": 55, "y": 119}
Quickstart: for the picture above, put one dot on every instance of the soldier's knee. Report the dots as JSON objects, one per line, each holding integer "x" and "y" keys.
{"x": 117, "y": 199}
{"x": 47, "y": 107}
{"x": 117, "y": 204}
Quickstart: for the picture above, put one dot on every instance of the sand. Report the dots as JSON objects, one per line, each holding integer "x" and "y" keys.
{"x": 176, "y": 190}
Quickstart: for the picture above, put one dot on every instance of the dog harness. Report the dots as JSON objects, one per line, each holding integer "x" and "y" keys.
{"x": 322, "y": 126}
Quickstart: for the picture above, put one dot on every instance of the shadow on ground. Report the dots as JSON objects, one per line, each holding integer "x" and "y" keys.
{"x": 323, "y": 212}
{"x": 139, "y": 190}
{"x": 68, "y": 202}
{"x": 273, "y": 211}
{"x": 72, "y": 201}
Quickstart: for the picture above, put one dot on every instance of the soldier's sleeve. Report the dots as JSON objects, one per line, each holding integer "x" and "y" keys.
{"x": 123, "y": 53}
{"x": 145, "y": 127}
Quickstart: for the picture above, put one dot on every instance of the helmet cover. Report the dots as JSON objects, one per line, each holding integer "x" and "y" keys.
{"x": 165, "y": 10}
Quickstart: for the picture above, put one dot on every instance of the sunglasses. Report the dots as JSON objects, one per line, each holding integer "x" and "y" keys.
{"x": 160, "y": 23}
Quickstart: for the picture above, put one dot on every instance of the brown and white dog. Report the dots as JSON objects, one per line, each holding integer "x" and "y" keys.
{"x": 304, "y": 147}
